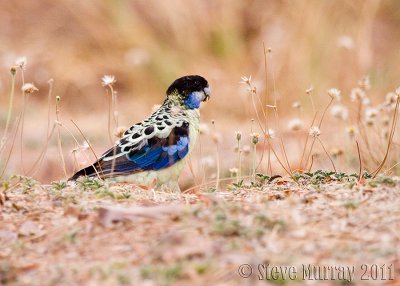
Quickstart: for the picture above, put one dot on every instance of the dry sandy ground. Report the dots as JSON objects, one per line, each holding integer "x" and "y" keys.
{"x": 321, "y": 231}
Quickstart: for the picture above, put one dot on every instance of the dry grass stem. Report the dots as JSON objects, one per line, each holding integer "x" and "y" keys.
{"x": 392, "y": 131}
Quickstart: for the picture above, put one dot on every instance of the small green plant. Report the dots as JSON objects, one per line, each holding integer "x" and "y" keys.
{"x": 27, "y": 183}
{"x": 239, "y": 184}
{"x": 226, "y": 226}
{"x": 166, "y": 274}
{"x": 89, "y": 183}
{"x": 59, "y": 185}
{"x": 383, "y": 180}
{"x": 263, "y": 178}
{"x": 71, "y": 236}
{"x": 350, "y": 205}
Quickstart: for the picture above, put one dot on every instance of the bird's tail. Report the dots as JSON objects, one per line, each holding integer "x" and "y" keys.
{"x": 90, "y": 171}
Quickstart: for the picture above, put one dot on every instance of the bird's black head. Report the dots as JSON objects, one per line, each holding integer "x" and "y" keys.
{"x": 189, "y": 91}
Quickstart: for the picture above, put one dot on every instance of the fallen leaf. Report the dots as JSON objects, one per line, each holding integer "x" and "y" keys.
{"x": 109, "y": 215}
{"x": 27, "y": 267}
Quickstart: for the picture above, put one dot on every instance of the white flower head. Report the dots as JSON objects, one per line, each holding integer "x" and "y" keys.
{"x": 85, "y": 145}
{"x": 208, "y": 161}
{"x": 310, "y": 89}
{"x": 295, "y": 124}
{"x": 351, "y": 130}
{"x": 345, "y": 42}
{"x": 108, "y": 80}
{"x": 369, "y": 121}
{"x": 364, "y": 83}
{"x": 21, "y": 62}
{"x": 81, "y": 147}
{"x": 204, "y": 128}
{"x": 217, "y": 137}
{"x": 385, "y": 120}
{"x": 390, "y": 101}
{"x": 137, "y": 57}
{"x": 245, "y": 80}
{"x": 371, "y": 113}
{"x": 365, "y": 101}
{"x": 120, "y": 131}
{"x": 340, "y": 111}
{"x": 336, "y": 152}
{"x": 397, "y": 91}
{"x": 314, "y": 131}
{"x": 296, "y": 104}
{"x": 234, "y": 171}
{"x": 246, "y": 149}
{"x": 334, "y": 93}
{"x": 391, "y": 98}
{"x": 357, "y": 94}
{"x": 270, "y": 133}
{"x": 29, "y": 88}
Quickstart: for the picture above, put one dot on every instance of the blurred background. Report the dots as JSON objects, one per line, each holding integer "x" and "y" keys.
{"x": 148, "y": 44}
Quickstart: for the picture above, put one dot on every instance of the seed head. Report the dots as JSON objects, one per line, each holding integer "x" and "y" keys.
{"x": 254, "y": 137}
{"x": 13, "y": 70}
{"x": 314, "y": 131}
{"x": 29, "y": 88}
{"x": 238, "y": 135}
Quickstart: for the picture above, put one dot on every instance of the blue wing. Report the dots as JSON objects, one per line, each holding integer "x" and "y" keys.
{"x": 153, "y": 153}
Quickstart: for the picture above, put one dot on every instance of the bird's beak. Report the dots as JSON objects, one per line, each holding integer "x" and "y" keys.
{"x": 207, "y": 92}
